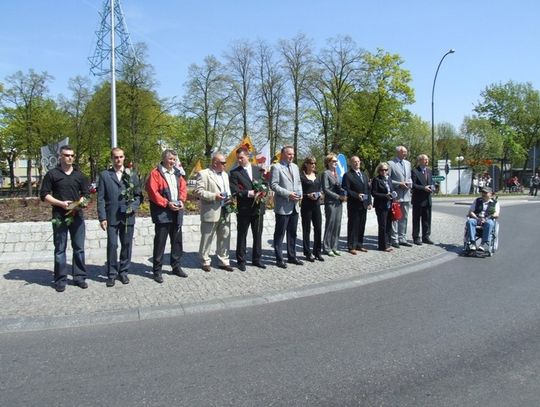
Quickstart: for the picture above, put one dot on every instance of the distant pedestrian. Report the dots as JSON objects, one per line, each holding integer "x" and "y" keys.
{"x": 65, "y": 188}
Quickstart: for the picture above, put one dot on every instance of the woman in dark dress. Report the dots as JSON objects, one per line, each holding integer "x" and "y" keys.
{"x": 311, "y": 209}
{"x": 381, "y": 189}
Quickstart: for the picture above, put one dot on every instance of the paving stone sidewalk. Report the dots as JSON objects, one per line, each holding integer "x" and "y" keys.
{"x": 28, "y": 301}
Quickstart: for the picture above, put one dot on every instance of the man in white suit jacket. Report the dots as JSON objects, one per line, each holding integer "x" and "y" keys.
{"x": 285, "y": 182}
{"x": 400, "y": 173}
{"x": 212, "y": 188}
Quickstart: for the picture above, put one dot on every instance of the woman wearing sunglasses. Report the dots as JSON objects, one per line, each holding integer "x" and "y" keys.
{"x": 381, "y": 189}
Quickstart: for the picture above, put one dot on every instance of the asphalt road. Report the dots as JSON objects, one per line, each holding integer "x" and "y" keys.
{"x": 464, "y": 334}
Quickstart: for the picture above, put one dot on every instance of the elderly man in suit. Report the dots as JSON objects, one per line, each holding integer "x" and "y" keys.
{"x": 167, "y": 193}
{"x": 422, "y": 191}
{"x": 250, "y": 208}
{"x": 212, "y": 188}
{"x": 400, "y": 174}
{"x": 357, "y": 185}
{"x": 118, "y": 198}
{"x": 285, "y": 182}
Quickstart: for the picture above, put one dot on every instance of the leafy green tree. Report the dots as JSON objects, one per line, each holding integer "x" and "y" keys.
{"x": 22, "y": 102}
{"x": 514, "y": 110}
{"x": 341, "y": 64}
{"x": 209, "y": 100}
{"x": 375, "y": 114}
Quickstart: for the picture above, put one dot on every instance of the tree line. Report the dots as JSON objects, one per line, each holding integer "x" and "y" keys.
{"x": 339, "y": 98}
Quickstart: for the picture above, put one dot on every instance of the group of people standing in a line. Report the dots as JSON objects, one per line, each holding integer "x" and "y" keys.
{"x": 297, "y": 192}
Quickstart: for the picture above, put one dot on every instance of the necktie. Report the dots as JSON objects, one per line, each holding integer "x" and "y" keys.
{"x": 290, "y": 171}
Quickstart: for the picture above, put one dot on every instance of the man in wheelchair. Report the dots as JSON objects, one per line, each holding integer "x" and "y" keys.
{"x": 482, "y": 214}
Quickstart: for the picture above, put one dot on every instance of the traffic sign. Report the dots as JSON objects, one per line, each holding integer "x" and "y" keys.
{"x": 438, "y": 178}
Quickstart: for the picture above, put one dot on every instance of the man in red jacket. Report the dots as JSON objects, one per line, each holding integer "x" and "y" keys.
{"x": 167, "y": 193}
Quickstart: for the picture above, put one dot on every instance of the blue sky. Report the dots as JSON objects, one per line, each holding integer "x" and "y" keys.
{"x": 495, "y": 40}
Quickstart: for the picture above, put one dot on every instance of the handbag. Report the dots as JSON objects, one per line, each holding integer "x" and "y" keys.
{"x": 396, "y": 211}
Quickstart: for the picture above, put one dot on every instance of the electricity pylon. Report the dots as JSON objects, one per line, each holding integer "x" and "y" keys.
{"x": 113, "y": 42}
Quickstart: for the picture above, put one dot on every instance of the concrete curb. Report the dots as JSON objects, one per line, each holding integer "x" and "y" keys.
{"x": 22, "y": 324}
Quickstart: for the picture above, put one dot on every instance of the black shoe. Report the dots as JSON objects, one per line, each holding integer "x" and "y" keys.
{"x": 259, "y": 265}
{"x": 427, "y": 240}
{"x": 124, "y": 279}
{"x": 241, "y": 267}
{"x": 406, "y": 244}
{"x": 296, "y": 261}
{"x": 158, "y": 278}
{"x": 179, "y": 272}
{"x": 110, "y": 282}
{"x": 310, "y": 258}
{"x": 396, "y": 245}
{"x": 319, "y": 257}
{"x": 60, "y": 288}
{"x": 281, "y": 265}
{"x": 81, "y": 284}
{"x": 226, "y": 267}
{"x": 418, "y": 242}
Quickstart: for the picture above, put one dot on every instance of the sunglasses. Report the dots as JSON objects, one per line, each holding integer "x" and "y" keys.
{"x": 383, "y": 169}
{"x": 68, "y": 155}
{"x": 222, "y": 162}
{"x": 311, "y": 163}
{"x": 334, "y": 161}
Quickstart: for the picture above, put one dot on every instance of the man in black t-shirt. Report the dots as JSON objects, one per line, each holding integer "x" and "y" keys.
{"x": 66, "y": 189}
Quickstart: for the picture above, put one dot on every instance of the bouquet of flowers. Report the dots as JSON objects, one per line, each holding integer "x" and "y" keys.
{"x": 74, "y": 207}
{"x": 228, "y": 206}
{"x": 129, "y": 192}
{"x": 261, "y": 191}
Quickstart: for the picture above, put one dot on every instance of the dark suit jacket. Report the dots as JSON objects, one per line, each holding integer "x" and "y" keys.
{"x": 111, "y": 205}
{"x": 420, "y": 197}
{"x": 379, "y": 192}
{"x": 241, "y": 185}
{"x": 354, "y": 186}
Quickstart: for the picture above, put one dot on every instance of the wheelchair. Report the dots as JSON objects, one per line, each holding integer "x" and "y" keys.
{"x": 492, "y": 247}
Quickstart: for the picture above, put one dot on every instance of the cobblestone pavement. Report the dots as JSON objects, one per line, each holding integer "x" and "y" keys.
{"x": 28, "y": 301}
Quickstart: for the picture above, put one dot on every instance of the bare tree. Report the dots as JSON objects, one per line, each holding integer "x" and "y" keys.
{"x": 240, "y": 68}
{"x": 272, "y": 91}
{"x": 76, "y": 107}
{"x": 341, "y": 63}
{"x": 298, "y": 63}
{"x": 207, "y": 98}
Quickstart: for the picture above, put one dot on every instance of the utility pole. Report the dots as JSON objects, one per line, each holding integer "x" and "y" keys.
{"x": 113, "y": 42}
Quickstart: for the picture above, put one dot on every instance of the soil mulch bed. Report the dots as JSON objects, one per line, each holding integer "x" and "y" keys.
{"x": 33, "y": 210}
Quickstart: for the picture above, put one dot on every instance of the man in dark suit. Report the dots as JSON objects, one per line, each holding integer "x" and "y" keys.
{"x": 286, "y": 184}
{"x": 422, "y": 190}
{"x": 250, "y": 206}
{"x": 356, "y": 183}
{"x": 119, "y": 197}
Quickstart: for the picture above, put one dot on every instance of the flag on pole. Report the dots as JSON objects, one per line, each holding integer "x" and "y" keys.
{"x": 248, "y": 144}
{"x": 198, "y": 167}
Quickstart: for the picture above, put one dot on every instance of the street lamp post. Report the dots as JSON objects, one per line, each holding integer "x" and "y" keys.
{"x": 459, "y": 159}
{"x": 433, "y": 161}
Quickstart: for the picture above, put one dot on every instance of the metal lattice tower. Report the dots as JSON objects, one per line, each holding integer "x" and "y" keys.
{"x": 123, "y": 49}
{"x": 113, "y": 42}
